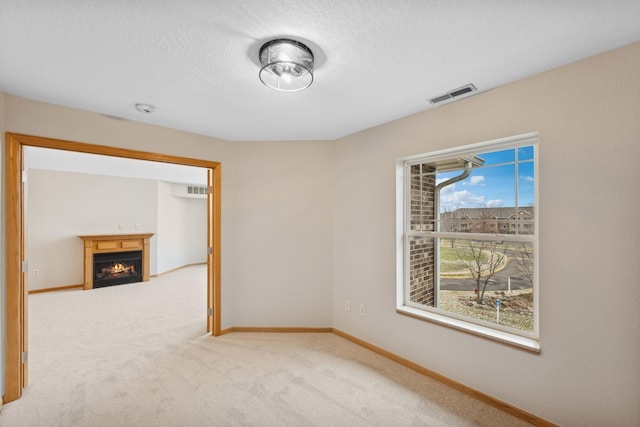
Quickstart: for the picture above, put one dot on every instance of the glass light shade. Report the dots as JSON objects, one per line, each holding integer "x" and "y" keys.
{"x": 287, "y": 65}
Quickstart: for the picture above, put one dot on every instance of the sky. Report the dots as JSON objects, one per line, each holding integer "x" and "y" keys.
{"x": 498, "y": 183}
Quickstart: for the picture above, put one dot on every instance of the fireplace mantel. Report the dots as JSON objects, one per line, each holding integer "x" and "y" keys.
{"x": 104, "y": 243}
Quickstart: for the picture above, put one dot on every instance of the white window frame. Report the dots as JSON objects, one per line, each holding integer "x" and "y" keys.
{"x": 522, "y": 339}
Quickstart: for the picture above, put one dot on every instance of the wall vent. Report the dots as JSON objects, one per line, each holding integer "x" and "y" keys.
{"x": 453, "y": 94}
{"x": 190, "y": 191}
{"x": 196, "y": 189}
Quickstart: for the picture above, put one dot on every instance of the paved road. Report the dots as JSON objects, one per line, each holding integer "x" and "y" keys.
{"x": 497, "y": 283}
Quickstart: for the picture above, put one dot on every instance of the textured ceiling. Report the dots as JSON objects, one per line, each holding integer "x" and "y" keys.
{"x": 197, "y": 62}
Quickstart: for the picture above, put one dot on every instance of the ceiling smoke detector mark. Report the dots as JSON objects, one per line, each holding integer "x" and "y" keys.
{"x": 464, "y": 90}
{"x": 145, "y": 108}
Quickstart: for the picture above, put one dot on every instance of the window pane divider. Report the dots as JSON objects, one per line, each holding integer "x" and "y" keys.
{"x": 474, "y": 236}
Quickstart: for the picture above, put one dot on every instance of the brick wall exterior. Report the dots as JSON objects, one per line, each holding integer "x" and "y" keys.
{"x": 421, "y": 250}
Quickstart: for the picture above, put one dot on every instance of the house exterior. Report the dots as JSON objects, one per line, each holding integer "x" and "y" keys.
{"x": 503, "y": 220}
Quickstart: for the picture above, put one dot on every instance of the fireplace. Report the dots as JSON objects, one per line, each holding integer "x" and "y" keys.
{"x": 115, "y": 259}
{"x": 117, "y": 268}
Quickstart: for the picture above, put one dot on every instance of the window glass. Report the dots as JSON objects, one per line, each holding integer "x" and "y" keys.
{"x": 470, "y": 238}
{"x": 525, "y": 153}
{"x": 497, "y": 157}
{"x": 485, "y": 188}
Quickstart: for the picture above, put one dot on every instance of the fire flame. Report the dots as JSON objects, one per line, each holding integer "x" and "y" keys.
{"x": 118, "y": 270}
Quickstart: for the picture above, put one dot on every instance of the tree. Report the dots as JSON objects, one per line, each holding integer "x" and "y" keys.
{"x": 483, "y": 257}
{"x": 486, "y": 259}
{"x": 525, "y": 262}
{"x": 454, "y": 221}
{"x": 448, "y": 220}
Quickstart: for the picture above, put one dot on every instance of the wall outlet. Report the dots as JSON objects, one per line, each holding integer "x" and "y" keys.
{"x": 120, "y": 227}
{"x": 362, "y": 310}
{"x": 36, "y": 273}
{"x": 347, "y": 305}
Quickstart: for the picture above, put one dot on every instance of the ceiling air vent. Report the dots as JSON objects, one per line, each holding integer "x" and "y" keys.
{"x": 453, "y": 94}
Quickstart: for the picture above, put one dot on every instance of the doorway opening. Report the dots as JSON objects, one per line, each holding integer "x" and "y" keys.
{"x": 16, "y": 373}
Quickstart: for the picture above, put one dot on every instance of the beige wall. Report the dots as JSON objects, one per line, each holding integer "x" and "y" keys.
{"x": 300, "y": 216}
{"x": 266, "y": 250}
{"x": 282, "y": 234}
{"x": 37, "y": 118}
{"x": 588, "y": 117}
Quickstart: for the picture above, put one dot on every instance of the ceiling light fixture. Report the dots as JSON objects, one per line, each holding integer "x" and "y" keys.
{"x": 287, "y": 65}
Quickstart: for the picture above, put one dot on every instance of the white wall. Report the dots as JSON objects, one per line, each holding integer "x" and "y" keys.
{"x": 588, "y": 117}
{"x": 62, "y": 206}
{"x": 182, "y": 229}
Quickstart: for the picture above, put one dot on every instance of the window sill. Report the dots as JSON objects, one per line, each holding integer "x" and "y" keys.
{"x": 525, "y": 343}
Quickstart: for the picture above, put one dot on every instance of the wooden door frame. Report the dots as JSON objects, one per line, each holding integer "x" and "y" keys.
{"x": 16, "y": 292}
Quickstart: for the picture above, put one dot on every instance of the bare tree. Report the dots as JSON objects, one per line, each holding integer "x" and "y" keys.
{"x": 483, "y": 257}
{"x": 485, "y": 261}
{"x": 449, "y": 221}
{"x": 525, "y": 262}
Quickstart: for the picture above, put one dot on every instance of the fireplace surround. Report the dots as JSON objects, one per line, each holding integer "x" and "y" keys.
{"x": 115, "y": 259}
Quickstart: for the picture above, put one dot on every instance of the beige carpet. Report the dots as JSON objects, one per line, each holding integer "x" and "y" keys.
{"x": 136, "y": 355}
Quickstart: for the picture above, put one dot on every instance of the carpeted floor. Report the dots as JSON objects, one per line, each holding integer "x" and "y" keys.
{"x": 136, "y": 355}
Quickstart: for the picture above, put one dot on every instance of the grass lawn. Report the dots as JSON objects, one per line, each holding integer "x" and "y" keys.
{"x": 516, "y": 309}
{"x": 456, "y": 260}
